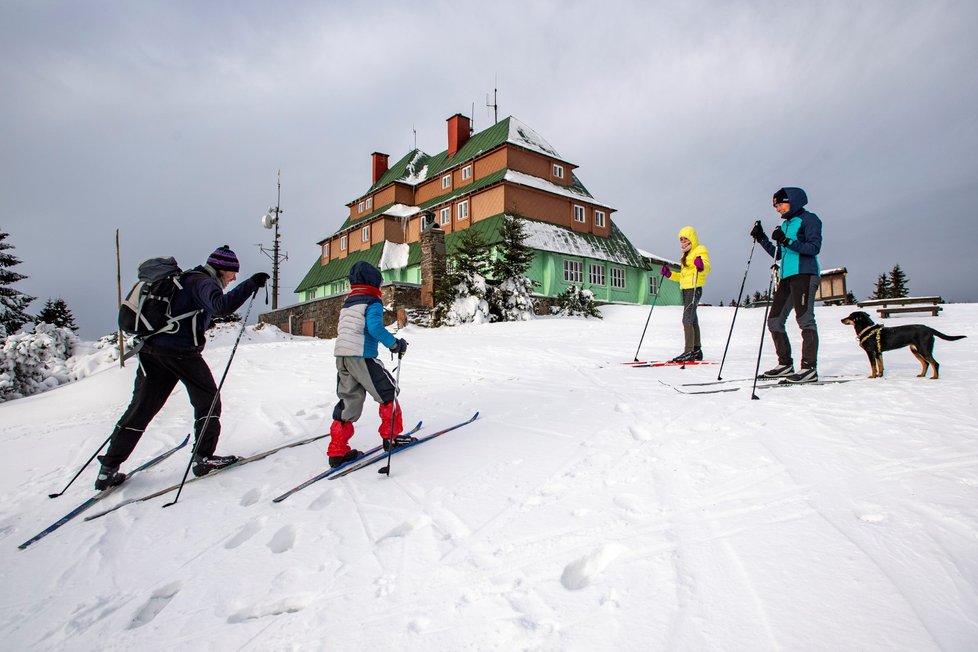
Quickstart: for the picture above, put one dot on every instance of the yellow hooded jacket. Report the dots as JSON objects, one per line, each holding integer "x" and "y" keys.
{"x": 687, "y": 273}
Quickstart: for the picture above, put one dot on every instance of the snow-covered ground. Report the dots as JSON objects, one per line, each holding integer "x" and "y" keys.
{"x": 591, "y": 507}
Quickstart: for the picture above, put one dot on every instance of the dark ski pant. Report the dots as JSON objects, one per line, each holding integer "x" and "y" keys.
{"x": 691, "y": 324}
{"x": 795, "y": 293}
{"x": 155, "y": 380}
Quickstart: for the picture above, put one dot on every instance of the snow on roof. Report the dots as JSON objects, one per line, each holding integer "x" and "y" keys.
{"x": 520, "y": 134}
{"x": 543, "y": 184}
{"x": 394, "y": 256}
{"x": 414, "y": 177}
{"x": 646, "y": 254}
{"x": 401, "y": 210}
{"x": 550, "y": 237}
{"x": 835, "y": 270}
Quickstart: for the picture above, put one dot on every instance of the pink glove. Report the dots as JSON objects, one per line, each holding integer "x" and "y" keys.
{"x": 699, "y": 263}
{"x": 665, "y": 271}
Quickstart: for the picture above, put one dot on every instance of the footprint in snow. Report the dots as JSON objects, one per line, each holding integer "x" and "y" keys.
{"x": 251, "y": 497}
{"x": 624, "y": 408}
{"x": 249, "y": 530}
{"x": 156, "y": 603}
{"x": 407, "y": 528}
{"x": 289, "y": 605}
{"x": 283, "y": 540}
{"x": 640, "y": 433}
{"x": 582, "y": 572}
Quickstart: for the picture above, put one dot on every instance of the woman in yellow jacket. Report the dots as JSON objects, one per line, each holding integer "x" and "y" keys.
{"x": 692, "y": 275}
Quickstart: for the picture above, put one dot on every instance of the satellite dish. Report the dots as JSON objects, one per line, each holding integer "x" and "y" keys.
{"x": 268, "y": 221}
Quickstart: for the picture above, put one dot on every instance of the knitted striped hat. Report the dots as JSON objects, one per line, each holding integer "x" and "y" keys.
{"x": 224, "y": 259}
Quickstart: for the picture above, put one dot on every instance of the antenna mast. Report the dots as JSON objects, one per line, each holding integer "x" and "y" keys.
{"x": 495, "y": 105}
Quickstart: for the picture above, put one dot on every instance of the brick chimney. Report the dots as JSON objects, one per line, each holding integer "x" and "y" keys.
{"x": 379, "y": 165}
{"x": 458, "y": 133}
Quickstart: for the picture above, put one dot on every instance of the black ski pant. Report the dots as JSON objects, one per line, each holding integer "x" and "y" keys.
{"x": 795, "y": 293}
{"x": 691, "y": 324}
{"x": 157, "y": 376}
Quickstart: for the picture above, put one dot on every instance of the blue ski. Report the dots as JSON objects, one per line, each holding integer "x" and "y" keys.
{"x": 382, "y": 455}
{"x": 341, "y": 467}
{"x": 100, "y": 495}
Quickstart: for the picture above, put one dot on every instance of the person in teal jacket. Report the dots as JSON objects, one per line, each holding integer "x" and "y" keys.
{"x": 796, "y": 245}
{"x": 358, "y": 371}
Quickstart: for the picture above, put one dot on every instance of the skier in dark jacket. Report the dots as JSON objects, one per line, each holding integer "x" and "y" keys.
{"x": 168, "y": 358}
{"x": 798, "y": 243}
{"x": 358, "y": 371}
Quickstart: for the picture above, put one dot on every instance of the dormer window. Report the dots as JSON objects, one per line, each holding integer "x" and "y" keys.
{"x": 365, "y": 233}
{"x": 445, "y": 215}
{"x": 463, "y": 210}
{"x": 369, "y": 204}
{"x": 360, "y": 207}
{"x": 326, "y": 250}
{"x": 558, "y": 171}
{"x": 578, "y": 213}
{"x": 342, "y": 243}
{"x": 599, "y": 219}
{"x": 446, "y": 181}
{"x": 467, "y": 172}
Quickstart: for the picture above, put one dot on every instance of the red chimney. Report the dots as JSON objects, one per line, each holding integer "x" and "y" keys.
{"x": 379, "y": 165}
{"x": 458, "y": 133}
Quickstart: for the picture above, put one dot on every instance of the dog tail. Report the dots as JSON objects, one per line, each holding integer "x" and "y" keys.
{"x": 947, "y": 337}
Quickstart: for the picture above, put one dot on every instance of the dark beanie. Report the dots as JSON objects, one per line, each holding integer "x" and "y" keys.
{"x": 224, "y": 259}
{"x": 781, "y": 196}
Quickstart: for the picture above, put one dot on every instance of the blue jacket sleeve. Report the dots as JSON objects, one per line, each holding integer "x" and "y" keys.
{"x": 375, "y": 325}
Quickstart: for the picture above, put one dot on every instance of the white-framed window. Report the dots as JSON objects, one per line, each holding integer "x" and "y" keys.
{"x": 595, "y": 274}
{"x": 578, "y": 213}
{"x": 467, "y": 172}
{"x": 360, "y": 206}
{"x": 573, "y": 271}
{"x": 445, "y": 215}
{"x": 558, "y": 171}
{"x": 342, "y": 243}
{"x": 618, "y": 278}
{"x": 369, "y": 204}
{"x": 365, "y": 233}
{"x": 599, "y": 218}
{"x": 326, "y": 250}
{"x": 653, "y": 285}
{"x": 446, "y": 181}
{"x": 463, "y": 211}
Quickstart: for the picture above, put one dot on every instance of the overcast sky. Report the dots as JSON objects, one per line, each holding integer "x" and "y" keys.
{"x": 169, "y": 121}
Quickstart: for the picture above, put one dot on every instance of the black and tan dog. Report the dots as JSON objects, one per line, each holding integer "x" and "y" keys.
{"x": 876, "y": 338}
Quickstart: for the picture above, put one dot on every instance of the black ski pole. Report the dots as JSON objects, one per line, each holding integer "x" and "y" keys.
{"x": 641, "y": 339}
{"x": 767, "y": 309}
{"x": 386, "y": 470}
{"x": 737, "y": 307}
{"x": 217, "y": 397}
{"x": 692, "y": 304}
{"x": 84, "y": 466}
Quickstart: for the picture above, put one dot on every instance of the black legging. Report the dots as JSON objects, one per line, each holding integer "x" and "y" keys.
{"x": 155, "y": 380}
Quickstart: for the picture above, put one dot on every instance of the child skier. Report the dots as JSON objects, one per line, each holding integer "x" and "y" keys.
{"x": 358, "y": 371}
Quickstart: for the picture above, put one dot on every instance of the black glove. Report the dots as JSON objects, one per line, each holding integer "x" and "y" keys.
{"x": 778, "y": 235}
{"x": 758, "y": 232}
{"x": 260, "y": 279}
{"x": 399, "y": 348}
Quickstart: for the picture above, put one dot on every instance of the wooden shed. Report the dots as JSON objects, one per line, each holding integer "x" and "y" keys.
{"x": 832, "y": 287}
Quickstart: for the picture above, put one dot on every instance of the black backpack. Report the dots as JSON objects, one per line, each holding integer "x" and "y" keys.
{"x": 146, "y": 310}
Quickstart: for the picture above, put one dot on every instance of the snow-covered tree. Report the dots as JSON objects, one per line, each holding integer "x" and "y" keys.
{"x": 509, "y": 299}
{"x": 56, "y": 312}
{"x": 575, "y": 301}
{"x": 460, "y": 296}
{"x": 883, "y": 288}
{"x": 898, "y": 283}
{"x": 33, "y": 362}
{"x": 13, "y": 303}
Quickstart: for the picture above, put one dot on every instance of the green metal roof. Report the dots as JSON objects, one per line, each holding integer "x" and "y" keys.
{"x": 339, "y": 269}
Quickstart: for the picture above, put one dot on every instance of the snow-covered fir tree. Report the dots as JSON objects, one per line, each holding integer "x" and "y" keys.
{"x": 13, "y": 303}
{"x": 575, "y": 301}
{"x": 57, "y": 313}
{"x": 460, "y": 296}
{"x": 509, "y": 299}
{"x": 33, "y": 362}
{"x": 898, "y": 283}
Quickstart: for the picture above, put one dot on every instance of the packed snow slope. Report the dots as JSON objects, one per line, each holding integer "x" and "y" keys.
{"x": 592, "y": 506}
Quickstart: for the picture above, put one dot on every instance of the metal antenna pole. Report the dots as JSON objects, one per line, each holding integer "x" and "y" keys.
{"x": 270, "y": 220}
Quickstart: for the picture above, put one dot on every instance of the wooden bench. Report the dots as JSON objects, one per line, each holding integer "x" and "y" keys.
{"x": 904, "y": 304}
